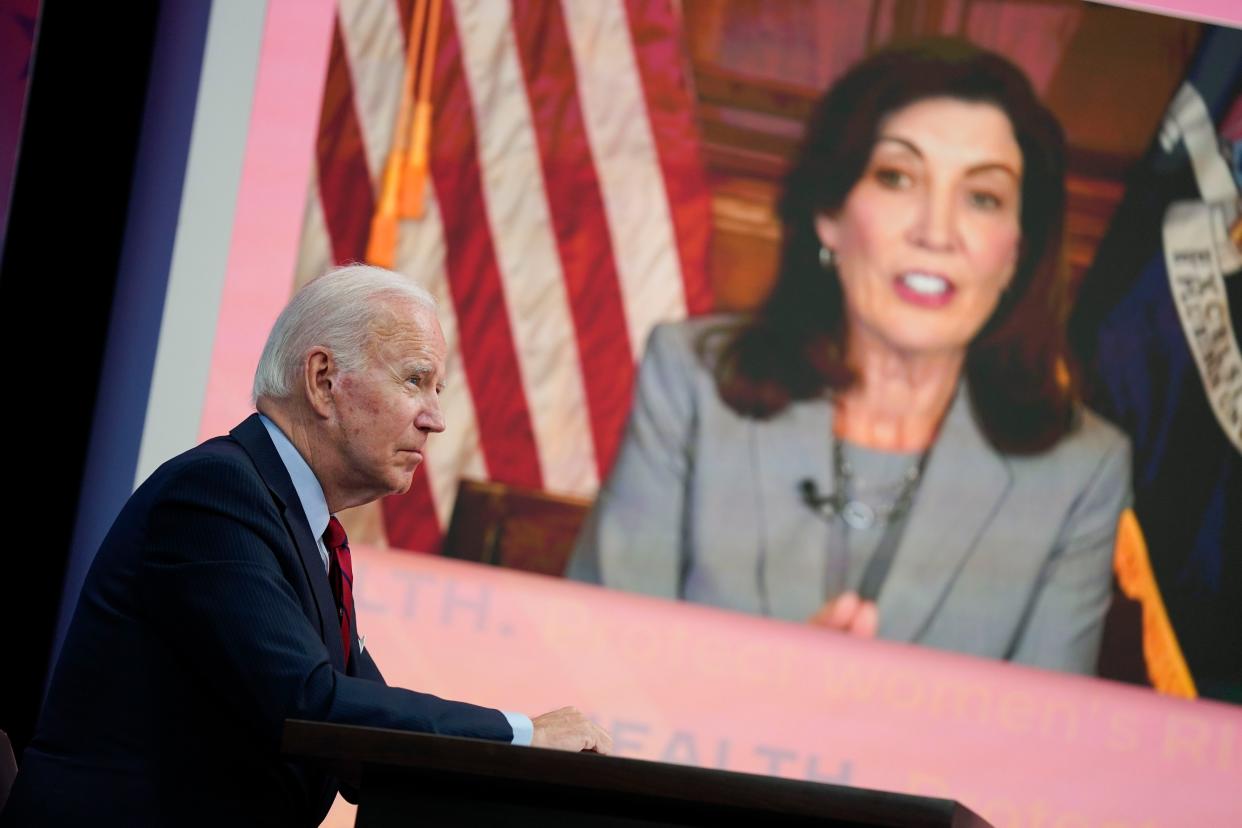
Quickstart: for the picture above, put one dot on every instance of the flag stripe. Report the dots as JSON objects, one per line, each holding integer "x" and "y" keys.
{"x": 315, "y": 247}
{"x": 344, "y": 180}
{"x": 548, "y": 239}
{"x": 506, "y": 434}
{"x": 341, "y": 197}
{"x": 420, "y": 252}
{"x": 634, "y": 196}
{"x": 578, "y": 218}
{"x": 456, "y": 452}
{"x": 655, "y": 30}
{"x": 374, "y": 40}
{"x": 409, "y": 519}
{"x": 533, "y": 285}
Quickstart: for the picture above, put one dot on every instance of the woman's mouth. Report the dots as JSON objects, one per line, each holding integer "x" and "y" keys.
{"x": 928, "y": 290}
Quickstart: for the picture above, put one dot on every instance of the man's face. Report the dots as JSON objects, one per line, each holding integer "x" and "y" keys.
{"x": 386, "y": 411}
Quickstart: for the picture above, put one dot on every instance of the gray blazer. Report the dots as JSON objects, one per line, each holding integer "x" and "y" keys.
{"x": 1002, "y": 556}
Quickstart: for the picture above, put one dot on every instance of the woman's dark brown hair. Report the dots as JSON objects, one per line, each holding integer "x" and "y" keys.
{"x": 793, "y": 347}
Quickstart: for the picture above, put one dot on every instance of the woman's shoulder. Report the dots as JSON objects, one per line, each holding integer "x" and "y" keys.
{"x": 693, "y": 342}
{"x": 1094, "y": 433}
{"x": 1093, "y": 446}
{"x": 687, "y": 333}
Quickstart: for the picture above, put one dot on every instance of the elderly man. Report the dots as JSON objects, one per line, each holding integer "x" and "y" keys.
{"x": 220, "y": 603}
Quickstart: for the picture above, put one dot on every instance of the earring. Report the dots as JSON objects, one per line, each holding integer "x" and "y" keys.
{"x": 827, "y": 258}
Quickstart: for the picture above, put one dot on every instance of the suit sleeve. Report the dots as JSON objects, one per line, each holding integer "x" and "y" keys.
{"x": 1066, "y": 620}
{"x": 216, "y": 577}
{"x": 635, "y": 536}
{"x": 365, "y": 666}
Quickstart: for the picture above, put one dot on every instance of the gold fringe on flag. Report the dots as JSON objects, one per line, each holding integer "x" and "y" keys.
{"x": 1166, "y": 666}
{"x": 382, "y": 242}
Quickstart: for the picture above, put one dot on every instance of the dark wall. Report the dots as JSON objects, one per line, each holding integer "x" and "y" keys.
{"x": 71, "y": 191}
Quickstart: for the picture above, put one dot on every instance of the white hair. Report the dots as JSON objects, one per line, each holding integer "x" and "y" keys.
{"x": 337, "y": 311}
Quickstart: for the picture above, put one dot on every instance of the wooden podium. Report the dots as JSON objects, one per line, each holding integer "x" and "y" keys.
{"x": 412, "y": 778}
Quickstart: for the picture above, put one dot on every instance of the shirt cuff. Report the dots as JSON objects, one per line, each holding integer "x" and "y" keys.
{"x": 523, "y": 728}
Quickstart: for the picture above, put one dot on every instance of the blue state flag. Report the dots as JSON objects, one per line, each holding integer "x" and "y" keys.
{"x": 1156, "y": 324}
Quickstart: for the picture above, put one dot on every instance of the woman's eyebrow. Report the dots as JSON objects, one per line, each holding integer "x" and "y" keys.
{"x": 902, "y": 141}
{"x": 989, "y": 166}
{"x": 984, "y": 166}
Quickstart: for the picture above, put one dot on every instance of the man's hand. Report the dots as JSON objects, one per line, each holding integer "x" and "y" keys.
{"x": 848, "y": 613}
{"x": 568, "y": 729}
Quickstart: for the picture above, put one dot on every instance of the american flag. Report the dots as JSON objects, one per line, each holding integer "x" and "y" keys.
{"x": 566, "y": 213}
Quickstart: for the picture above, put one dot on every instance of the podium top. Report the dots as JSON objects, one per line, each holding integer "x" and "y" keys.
{"x": 363, "y": 755}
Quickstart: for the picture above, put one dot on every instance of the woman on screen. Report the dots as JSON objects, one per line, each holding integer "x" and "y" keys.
{"x": 891, "y": 445}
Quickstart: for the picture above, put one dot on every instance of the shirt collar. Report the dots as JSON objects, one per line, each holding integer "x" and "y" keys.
{"x": 310, "y": 493}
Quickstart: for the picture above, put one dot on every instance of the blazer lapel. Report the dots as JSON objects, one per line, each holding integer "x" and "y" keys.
{"x": 253, "y": 437}
{"x": 789, "y": 449}
{"x": 963, "y": 486}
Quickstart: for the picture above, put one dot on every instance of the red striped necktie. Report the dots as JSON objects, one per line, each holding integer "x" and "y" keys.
{"x": 341, "y": 576}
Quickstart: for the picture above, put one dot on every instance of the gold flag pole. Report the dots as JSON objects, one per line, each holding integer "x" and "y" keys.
{"x": 414, "y": 176}
{"x": 382, "y": 242}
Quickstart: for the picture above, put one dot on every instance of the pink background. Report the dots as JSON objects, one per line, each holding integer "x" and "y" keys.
{"x": 1209, "y": 11}
{"x": 690, "y": 684}
{"x": 695, "y": 685}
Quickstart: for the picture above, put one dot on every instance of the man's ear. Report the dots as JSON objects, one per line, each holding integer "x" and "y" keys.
{"x": 319, "y": 376}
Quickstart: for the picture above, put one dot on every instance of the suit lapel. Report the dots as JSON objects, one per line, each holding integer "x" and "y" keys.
{"x": 253, "y": 437}
{"x": 788, "y": 449}
{"x": 963, "y": 486}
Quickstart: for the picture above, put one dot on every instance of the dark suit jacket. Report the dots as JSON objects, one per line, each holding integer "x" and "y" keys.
{"x": 207, "y": 620}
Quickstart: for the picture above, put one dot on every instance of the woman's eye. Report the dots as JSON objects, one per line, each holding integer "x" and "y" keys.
{"x": 985, "y": 200}
{"x": 892, "y": 178}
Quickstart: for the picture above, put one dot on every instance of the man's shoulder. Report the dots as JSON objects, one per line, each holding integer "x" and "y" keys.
{"x": 233, "y": 452}
{"x": 186, "y": 498}
{"x": 223, "y": 454}
{"x": 219, "y": 465}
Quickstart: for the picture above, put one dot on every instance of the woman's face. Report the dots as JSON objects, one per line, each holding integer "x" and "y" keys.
{"x": 928, "y": 238}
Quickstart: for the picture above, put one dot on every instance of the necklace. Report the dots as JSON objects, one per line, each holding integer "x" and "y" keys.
{"x": 856, "y": 512}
